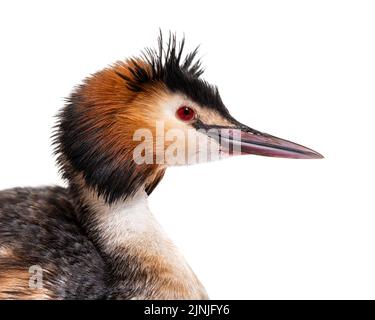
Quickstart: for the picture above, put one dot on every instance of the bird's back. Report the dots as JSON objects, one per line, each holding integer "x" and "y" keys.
{"x": 43, "y": 251}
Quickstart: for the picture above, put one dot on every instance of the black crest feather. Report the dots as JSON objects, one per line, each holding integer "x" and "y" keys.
{"x": 178, "y": 71}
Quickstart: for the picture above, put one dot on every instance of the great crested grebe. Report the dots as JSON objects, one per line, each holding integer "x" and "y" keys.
{"x": 97, "y": 239}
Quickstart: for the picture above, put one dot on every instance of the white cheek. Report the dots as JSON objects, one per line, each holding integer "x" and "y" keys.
{"x": 193, "y": 146}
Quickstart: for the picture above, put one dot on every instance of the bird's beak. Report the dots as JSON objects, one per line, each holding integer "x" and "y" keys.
{"x": 244, "y": 140}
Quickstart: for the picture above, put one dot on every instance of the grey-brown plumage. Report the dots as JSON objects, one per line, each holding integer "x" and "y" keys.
{"x": 39, "y": 227}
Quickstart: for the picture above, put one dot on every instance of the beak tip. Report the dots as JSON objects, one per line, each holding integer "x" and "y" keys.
{"x": 315, "y": 155}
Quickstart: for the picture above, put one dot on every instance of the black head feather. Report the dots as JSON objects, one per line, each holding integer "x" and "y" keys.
{"x": 180, "y": 73}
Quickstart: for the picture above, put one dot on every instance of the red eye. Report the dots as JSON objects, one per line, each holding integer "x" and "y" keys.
{"x": 185, "y": 113}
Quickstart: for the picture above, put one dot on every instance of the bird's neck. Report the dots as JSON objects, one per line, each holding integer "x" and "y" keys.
{"x": 143, "y": 262}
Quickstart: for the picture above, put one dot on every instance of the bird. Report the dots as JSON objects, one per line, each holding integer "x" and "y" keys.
{"x": 114, "y": 138}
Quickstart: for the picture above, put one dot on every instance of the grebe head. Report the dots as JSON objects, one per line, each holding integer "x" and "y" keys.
{"x": 124, "y": 125}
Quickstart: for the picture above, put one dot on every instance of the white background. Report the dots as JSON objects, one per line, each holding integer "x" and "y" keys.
{"x": 251, "y": 227}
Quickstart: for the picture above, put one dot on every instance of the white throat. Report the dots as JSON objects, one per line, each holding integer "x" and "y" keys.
{"x": 131, "y": 222}
{"x": 129, "y": 228}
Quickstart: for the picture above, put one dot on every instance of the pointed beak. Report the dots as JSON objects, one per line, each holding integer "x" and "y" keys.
{"x": 244, "y": 140}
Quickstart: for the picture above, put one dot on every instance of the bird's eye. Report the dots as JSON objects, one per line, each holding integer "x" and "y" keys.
{"x": 185, "y": 113}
